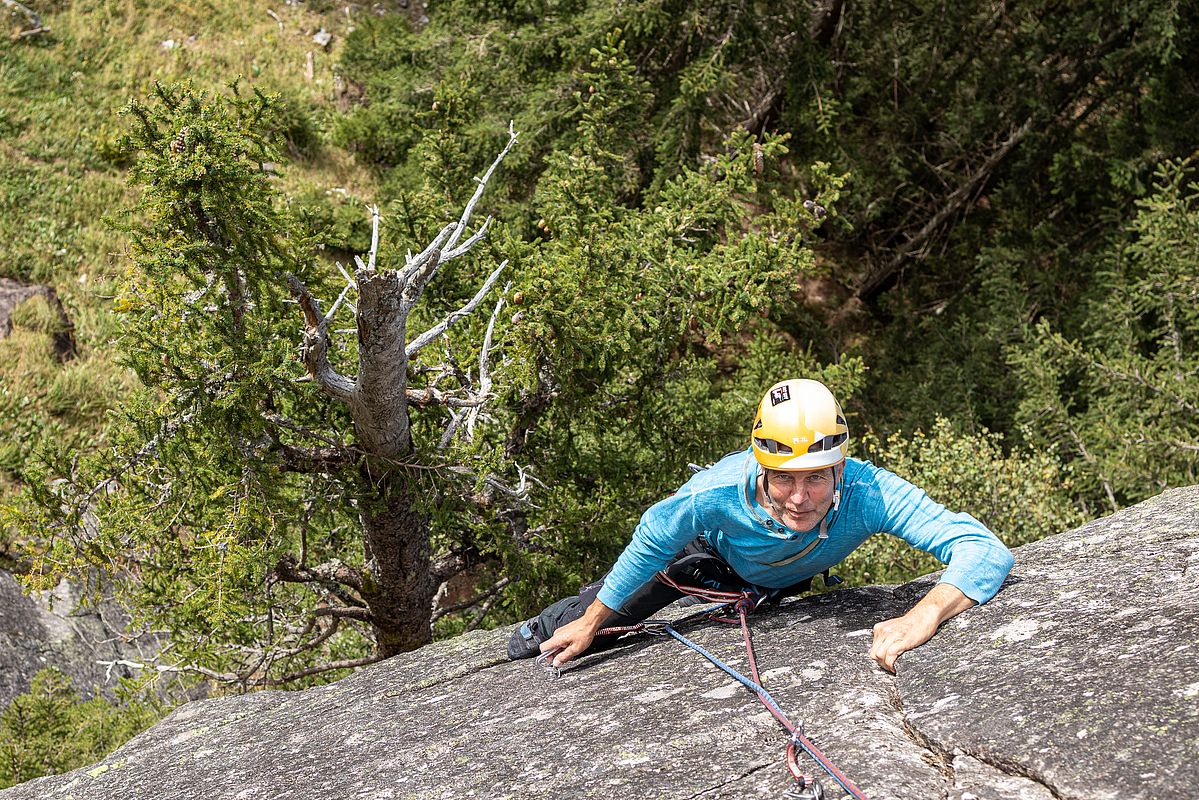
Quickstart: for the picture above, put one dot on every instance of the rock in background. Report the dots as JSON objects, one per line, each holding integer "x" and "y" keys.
{"x": 50, "y": 629}
{"x": 1080, "y": 680}
{"x": 62, "y": 330}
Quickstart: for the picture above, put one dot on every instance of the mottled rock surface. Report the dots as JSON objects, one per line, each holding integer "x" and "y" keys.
{"x": 50, "y": 629}
{"x": 1080, "y": 680}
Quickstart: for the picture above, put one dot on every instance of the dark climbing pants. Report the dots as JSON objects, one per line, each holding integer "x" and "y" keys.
{"x": 698, "y": 564}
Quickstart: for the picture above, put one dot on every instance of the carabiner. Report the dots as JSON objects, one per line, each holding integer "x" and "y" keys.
{"x": 806, "y": 789}
{"x": 546, "y": 662}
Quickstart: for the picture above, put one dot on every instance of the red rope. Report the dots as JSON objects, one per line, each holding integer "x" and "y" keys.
{"x": 743, "y": 603}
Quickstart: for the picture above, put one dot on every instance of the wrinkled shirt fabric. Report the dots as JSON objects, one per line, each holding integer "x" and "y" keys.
{"x": 719, "y": 504}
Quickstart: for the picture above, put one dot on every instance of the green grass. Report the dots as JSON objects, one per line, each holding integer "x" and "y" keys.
{"x": 62, "y": 174}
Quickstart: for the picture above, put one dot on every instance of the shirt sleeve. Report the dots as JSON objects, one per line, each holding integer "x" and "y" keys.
{"x": 665, "y": 528}
{"x": 976, "y": 560}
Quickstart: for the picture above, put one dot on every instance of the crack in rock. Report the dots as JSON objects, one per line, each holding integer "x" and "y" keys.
{"x": 472, "y": 669}
{"x": 943, "y": 757}
{"x": 935, "y": 757}
{"x": 744, "y": 774}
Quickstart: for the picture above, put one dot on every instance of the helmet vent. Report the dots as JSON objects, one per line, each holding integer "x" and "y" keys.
{"x": 830, "y": 442}
{"x": 773, "y": 447}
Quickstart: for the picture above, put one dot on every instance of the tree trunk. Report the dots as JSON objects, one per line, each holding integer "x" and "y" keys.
{"x": 398, "y": 584}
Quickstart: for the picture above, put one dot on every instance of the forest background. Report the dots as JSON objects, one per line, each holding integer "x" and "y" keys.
{"x": 977, "y": 222}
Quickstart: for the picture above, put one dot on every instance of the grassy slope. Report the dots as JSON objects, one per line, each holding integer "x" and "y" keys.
{"x": 60, "y": 174}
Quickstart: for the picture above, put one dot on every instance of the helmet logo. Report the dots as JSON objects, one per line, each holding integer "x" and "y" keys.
{"x": 780, "y": 394}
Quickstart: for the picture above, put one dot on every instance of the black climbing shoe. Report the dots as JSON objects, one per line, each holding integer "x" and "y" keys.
{"x": 525, "y": 641}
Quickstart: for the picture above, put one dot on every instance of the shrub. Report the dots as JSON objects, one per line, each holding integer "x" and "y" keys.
{"x": 1022, "y": 496}
{"x": 51, "y": 729}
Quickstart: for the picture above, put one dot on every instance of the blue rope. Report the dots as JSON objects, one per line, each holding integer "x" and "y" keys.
{"x": 759, "y": 690}
{"x": 796, "y": 733}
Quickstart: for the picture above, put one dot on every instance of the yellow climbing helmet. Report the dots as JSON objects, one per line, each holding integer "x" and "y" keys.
{"x": 799, "y": 425}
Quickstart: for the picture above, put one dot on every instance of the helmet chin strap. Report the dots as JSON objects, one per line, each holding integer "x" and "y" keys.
{"x": 838, "y": 482}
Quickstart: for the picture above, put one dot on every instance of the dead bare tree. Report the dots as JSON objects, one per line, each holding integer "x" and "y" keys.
{"x": 393, "y": 591}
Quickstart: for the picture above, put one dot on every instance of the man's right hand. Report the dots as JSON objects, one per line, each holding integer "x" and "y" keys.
{"x": 575, "y": 637}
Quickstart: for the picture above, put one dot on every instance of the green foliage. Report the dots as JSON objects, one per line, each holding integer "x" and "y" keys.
{"x": 1027, "y": 249}
{"x": 207, "y": 330}
{"x": 1022, "y": 496}
{"x": 51, "y": 729}
{"x": 645, "y": 331}
{"x": 336, "y": 220}
{"x": 1124, "y": 397}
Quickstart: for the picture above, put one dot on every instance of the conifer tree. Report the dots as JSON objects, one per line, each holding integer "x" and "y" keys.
{"x": 226, "y": 502}
{"x": 1124, "y": 396}
{"x": 284, "y": 515}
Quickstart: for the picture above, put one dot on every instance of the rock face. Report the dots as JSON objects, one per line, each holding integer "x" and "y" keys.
{"x": 49, "y": 629}
{"x": 1080, "y": 680}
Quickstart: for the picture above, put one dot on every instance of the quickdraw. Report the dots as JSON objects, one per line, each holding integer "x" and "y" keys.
{"x": 807, "y": 786}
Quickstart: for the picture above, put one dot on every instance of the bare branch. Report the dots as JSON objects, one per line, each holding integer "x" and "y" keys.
{"x": 456, "y": 420}
{"x": 317, "y": 641}
{"x": 422, "y": 398}
{"x": 283, "y": 422}
{"x": 34, "y": 20}
{"x": 351, "y": 663}
{"x": 478, "y": 620}
{"x": 374, "y": 237}
{"x": 331, "y": 572}
{"x": 340, "y": 298}
{"x": 169, "y": 429}
{"x": 343, "y": 613}
{"x": 441, "y": 327}
{"x": 474, "y": 239}
{"x": 315, "y": 347}
{"x": 470, "y": 207}
{"x": 472, "y": 416}
{"x": 520, "y": 492}
{"x": 319, "y": 460}
{"x": 413, "y": 265}
{"x": 489, "y": 592}
{"x": 956, "y": 202}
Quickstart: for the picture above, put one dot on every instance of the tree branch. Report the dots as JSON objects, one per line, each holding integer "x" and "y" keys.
{"x": 483, "y": 612}
{"x": 957, "y": 201}
{"x": 332, "y": 574}
{"x": 361, "y": 614}
{"x": 317, "y": 670}
{"x": 470, "y": 206}
{"x": 489, "y": 592}
{"x": 472, "y": 416}
{"x": 31, "y": 15}
{"x": 169, "y": 429}
{"x": 319, "y": 460}
{"x": 441, "y": 327}
{"x": 315, "y": 346}
{"x": 424, "y": 398}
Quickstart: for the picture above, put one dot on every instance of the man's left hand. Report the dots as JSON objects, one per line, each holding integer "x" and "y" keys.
{"x": 894, "y": 637}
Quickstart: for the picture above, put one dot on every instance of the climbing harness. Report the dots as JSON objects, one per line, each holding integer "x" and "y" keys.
{"x": 742, "y": 603}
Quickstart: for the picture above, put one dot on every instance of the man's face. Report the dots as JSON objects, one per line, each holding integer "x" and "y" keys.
{"x": 801, "y": 498}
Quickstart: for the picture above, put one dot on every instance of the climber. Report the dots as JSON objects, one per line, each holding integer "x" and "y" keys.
{"x": 770, "y": 518}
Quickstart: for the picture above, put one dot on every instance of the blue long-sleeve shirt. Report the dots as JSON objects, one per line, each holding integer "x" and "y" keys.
{"x": 720, "y": 503}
